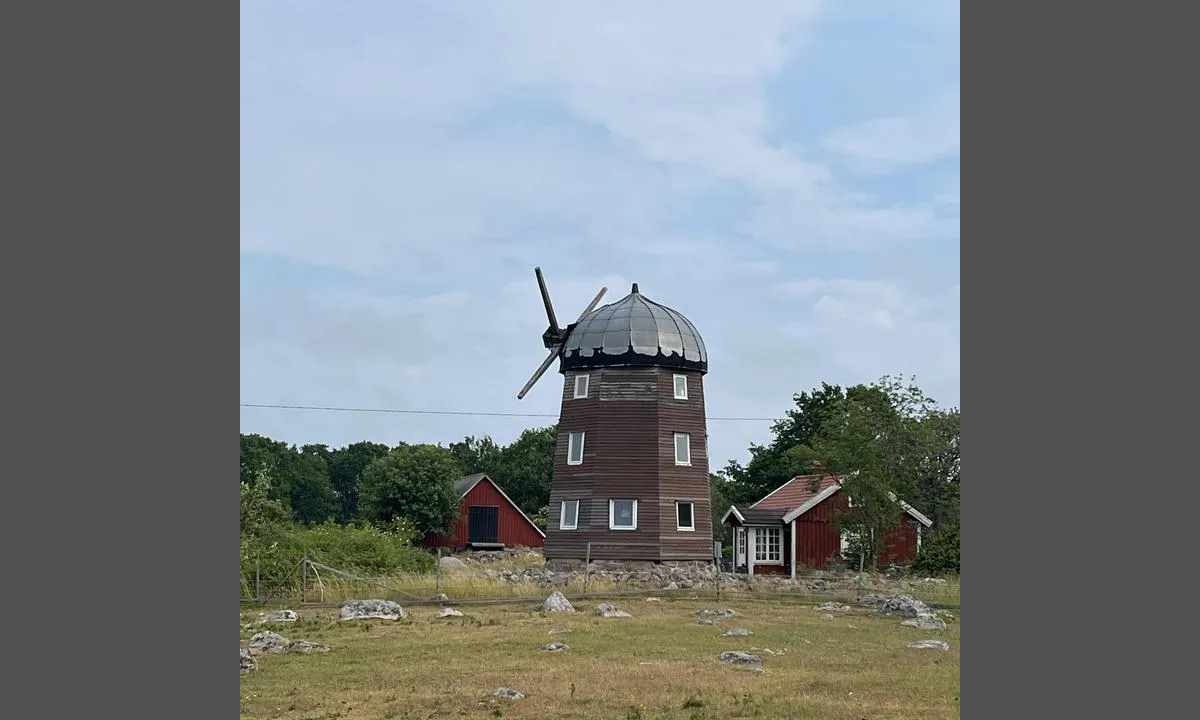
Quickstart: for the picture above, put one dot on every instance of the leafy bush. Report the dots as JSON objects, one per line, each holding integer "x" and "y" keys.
{"x": 939, "y": 552}
{"x": 361, "y": 549}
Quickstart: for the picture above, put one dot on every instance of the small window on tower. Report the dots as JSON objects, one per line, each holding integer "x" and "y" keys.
{"x": 684, "y": 515}
{"x": 568, "y": 518}
{"x": 581, "y": 387}
{"x": 575, "y": 448}
{"x": 683, "y": 449}
{"x": 622, "y": 514}
{"x": 681, "y": 387}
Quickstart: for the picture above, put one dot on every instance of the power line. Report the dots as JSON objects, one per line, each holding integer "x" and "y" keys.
{"x": 395, "y": 411}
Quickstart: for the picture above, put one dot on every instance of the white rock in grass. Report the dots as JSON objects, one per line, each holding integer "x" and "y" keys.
{"x": 929, "y": 645}
{"x": 925, "y": 621}
{"x": 449, "y": 612}
{"x": 557, "y": 602}
{"x": 277, "y": 616}
{"x": 507, "y": 693}
{"x": 373, "y": 610}
{"x": 268, "y": 642}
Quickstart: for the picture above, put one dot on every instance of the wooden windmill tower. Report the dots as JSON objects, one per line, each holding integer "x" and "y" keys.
{"x": 631, "y": 465}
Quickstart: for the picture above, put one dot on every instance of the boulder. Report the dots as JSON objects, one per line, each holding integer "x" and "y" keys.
{"x": 277, "y": 616}
{"x": 249, "y": 664}
{"x": 925, "y": 621}
{"x": 929, "y": 645}
{"x": 609, "y": 610}
{"x": 268, "y": 642}
{"x": 554, "y": 647}
{"x": 739, "y": 657}
{"x": 507, "y": 693}
{"x": 373, "y": 610}
{"x": 737, "y": 632}
{"x": 448, "y": 612}
{"x": 557, "y": 602}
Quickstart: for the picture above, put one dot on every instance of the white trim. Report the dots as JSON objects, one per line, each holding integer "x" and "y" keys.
{"x": 587, "y": 384}
{"x": 688, "y": 445}
{"x": 571, "y": 436}
{"x": 733, "y": 511}
{"x": 682, "y": 528}
{"x": 792, "y": 535}
{"x": 612, "y": 515}
{"x": 758, "y": 561}
{"x": 562, "y": 514}
{"x": 911, "y": 510}
{"x": 675, "y": 387}
{"x": 812, "y": 502}
{"x": 920, "y": 532}
{"x": 484, "y": 476}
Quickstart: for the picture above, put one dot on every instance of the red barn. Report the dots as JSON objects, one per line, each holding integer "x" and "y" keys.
{"x": 796, "y": 527}
{"x": 488, "y": 519}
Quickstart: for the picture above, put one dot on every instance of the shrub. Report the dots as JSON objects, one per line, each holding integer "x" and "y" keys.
{"x": 939, "y": 552}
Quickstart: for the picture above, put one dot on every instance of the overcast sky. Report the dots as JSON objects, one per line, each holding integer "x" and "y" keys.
{"x": 785, "y": 174}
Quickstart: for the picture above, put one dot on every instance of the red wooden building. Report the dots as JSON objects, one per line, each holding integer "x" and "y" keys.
{"x": 488, "y": 519}
{"x": 796, "y": 527}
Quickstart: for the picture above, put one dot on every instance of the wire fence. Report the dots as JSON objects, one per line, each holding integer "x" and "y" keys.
{"x": 316, "y": 584}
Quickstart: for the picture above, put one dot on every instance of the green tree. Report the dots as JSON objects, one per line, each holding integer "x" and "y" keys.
{"x": 717, "y": 489}
{"x": 790, "y": 452}
{"x": 881, "y": 442}
{"x": 525, "y": 468}
{"x": 477, "y": 455}
{"x": 346, "y": 466}
{"x": 260, "y": 454}
{"x": 304, "y": 478}
{"x": 414, "y": 482}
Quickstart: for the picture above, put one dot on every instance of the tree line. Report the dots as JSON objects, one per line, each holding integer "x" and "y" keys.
{"x": 885, "y": 439}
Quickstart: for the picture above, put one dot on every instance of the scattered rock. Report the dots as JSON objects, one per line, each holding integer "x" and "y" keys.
{"x": 373, "y": 609}
{"x": 653, "y": 599}
{"x": 671, "y": 586}
{"x": 448, "y": 612}
{"x": 440, "y": 597}
{"x": 739, "y": 657}
{"x": 507, "y": 693}
{"x": 557, "y": 602}
{"x": 248, "y": 662}
{"x": 305, "y": 647}
{"x": 268, "y": 642}
{"x": 724, "y": 612}
{"x": 560, "y": 632}
{"x": 926, "y": 621}
{"x": 277, "y": 616}
{"x": 704, "y": 621}
{"x": 737, "y": 632}
{"x": 554, "y": 647}
{"x": 934, "y": 581}
{"x": 929, "y": 645}
{"x": 901, "y": 604}
{"x": 946, "y": 615}
{"x": 826, "y": 616}
{"x": 452, "y": 562}
{"x": 832, "y": 607}
{"x": 609, "y": 610}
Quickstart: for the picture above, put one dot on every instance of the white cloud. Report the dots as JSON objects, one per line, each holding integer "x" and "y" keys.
{"x": 903, "y": 140}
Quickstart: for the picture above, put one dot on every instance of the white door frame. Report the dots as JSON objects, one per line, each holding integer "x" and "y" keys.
{"x": 739, "y": 546}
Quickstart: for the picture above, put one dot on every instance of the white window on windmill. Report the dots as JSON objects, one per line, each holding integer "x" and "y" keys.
{"x": 681, "y": 387}
{"x": 685, "y": 515}
{"x": 683, "y": 449}
{"x": 575, "y": 448}
{"x": 767, "y": 544}
{"x": 622, "y": 514}
{"x": 568, "y": 516}
{"x": 581, "y": 387}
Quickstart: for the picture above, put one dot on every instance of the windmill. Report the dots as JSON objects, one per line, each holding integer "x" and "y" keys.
{"x": 631, "y": 463}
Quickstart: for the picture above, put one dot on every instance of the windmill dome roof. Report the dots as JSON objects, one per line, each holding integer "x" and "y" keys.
{"x": 634, "y": 331}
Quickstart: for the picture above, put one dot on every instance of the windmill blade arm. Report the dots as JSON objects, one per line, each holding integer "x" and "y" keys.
{"x": 537, "y": 375}
{"x": 546, "y": 299}
{"x": 594, "y": 303}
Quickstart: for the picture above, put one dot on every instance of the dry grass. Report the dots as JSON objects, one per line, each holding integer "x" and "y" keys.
{"x": 658, "y": 664}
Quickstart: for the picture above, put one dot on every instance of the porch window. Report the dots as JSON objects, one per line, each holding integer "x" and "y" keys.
{"x": 767, "y": 544}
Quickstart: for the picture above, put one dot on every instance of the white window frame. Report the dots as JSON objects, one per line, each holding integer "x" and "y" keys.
{"x": 688, "y": 445}
{"x": 562, "y": 515}
{"x": 612, "y": 514}
{"x": 675, "y": 387}
{"x": 571, "y": 444}
{"x": 683, "y": 528}
{"x": 768, "y": 538}
{"x": 587, "y": 385}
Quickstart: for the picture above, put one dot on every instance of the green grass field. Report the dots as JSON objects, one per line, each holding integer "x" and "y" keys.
{"x": 657, "y": 664}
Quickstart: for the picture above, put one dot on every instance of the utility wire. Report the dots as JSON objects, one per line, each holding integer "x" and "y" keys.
{"x": 320, "y": 408}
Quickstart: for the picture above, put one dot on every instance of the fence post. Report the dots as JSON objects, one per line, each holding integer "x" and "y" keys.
{"x": 587, "y": 567}
{"x": 437, "y": 582}
{"x": 258, "y": 576}
{"x": 303, "y": 578}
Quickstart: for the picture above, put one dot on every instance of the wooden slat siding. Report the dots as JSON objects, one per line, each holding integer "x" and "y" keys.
{"x": 900, "y": 545}
{"x": 515, "y": 531}
{"x": 630, "y": 417}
